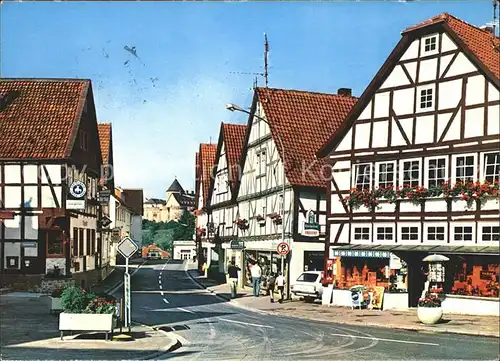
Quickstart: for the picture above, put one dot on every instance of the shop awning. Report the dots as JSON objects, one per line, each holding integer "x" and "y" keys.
{"x": 449, "y": 249}
{"x": 357, "y": 253}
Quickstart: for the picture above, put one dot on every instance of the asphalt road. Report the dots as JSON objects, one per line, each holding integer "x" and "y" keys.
{"x": 212, "y": 329}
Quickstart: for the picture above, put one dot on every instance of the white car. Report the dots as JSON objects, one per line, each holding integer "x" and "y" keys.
{"x": 308, "y": 285}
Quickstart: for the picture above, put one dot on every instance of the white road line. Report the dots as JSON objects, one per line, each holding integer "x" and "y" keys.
{"x": 159, "y": 275}
{"x": 160, "y": 287}
{"x": 385, "y": 339}
{"x": 161, "y": 293}
{"x": 245, "y": 323}
{"x": 159, "y": 281}
{"x": 183, "y": 309}
{"x": 165, "y": 300}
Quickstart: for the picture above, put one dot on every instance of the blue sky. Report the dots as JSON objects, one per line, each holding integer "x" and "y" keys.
{"x": 169, "y": 99}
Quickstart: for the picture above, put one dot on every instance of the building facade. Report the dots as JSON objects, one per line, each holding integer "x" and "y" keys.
{"x": 416, "y": 167}
{"x": 176, "y": 202}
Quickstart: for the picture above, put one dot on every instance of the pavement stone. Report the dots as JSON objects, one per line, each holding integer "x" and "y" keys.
{"x": 400, "y": 319}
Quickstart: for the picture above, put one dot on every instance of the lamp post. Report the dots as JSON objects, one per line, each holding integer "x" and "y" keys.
{"x": 232, "y": 108}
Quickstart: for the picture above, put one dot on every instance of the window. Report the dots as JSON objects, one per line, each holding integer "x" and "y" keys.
{"x": 463, "y": 233}
{"x": 410, "y": 172}
{"x": 409, "y": 233}
{"x": 464, "y": 168}
{"x": 55, "y": 243}
{"x": 490, "y": 233}
{"x": 363, "y": 176}
{"x": 92, "y": 240}
{"x": 385, "y": 174}
{"x": 435, "y": 233}
{"x": 361, "y": 233}
{"x": 84, "y": 140}
{"x": 75, "y": 242}
{"x": 491, "y": 171}
{"x": 263, "y": 163}
{"x": 81, "y": 236}
{"x": 426, "y": 98}
{"x": 384, "y": 234}
{"x": 436, "y": 171}
{"x": 430, "y": 44}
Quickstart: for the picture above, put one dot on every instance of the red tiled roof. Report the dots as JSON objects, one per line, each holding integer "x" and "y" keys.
{"x": 197, "y": 178}
{"x": 41, "y": 121}
{"x": 234, "y": 140}
{"x": 479, "y": 42}
{"x": 304, "y": 120}
{"x": 104, "y": 140}
{"x": 207, "y": 160}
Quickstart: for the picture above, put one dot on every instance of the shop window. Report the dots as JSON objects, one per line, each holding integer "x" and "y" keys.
{"x": 409, "y": 233}
{"x": 475, "y": 276}
{"x": 363, "y": 176}
{"x": 410, "y": 172}
{"x": 361, "y": 233}
{"x": 385, "y": 174}
{"x": 55, "y": 243}
{"x": 436, "y": 171}
{"x": 384, "y": 234}
{"x": 435, "y": 233}
{"x": 464, "y": 168}
{"x": 462, "y": 233}
{"x": 490, "y": 233}
{"x": 491, "y": 171}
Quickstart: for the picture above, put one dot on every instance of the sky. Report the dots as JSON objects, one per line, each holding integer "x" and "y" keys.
{"x": 162, "y": 72}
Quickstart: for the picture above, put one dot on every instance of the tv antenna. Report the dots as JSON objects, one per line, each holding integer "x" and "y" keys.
{"x": 265, "y": 74}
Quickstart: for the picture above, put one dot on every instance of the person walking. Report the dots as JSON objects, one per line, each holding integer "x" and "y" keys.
{"x": 280, "y": 281}
{"x": 271, "y": 282}
{"x": 232, "y": 271}
{"x": 256, "y": 273}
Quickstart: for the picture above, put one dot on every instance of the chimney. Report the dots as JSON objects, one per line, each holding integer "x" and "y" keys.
{"x": 488, "y": 29}
{"x": 345, "y": 91}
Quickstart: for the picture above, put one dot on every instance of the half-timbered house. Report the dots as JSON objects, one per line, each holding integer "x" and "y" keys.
{"x": 205, "y": 159}
{"x": 416, "y": 167}
{"x": 49, "y": 139}
{"x": 285, "y": 127}
{"x": 222, "y": 207}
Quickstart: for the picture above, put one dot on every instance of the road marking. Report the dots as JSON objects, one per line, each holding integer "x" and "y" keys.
{"x": 183, "y": 309}
{"x": 159, "y": 281}
{"x": 161, "y": 292}
{"x": 160, "y": 287}
{"x": 386, "y": 339}
{"x": 165, "y": 300}
{"x": 245, "y": 323}
{"x": 159, "y": 275}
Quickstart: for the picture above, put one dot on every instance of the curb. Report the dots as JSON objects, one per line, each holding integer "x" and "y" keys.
{"x": 174, "y": 345}
{"x": 5, "y": 290}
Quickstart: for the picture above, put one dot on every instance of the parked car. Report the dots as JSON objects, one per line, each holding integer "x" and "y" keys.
{"x": 308, "y": 285}
{"x": 154, "y": 255}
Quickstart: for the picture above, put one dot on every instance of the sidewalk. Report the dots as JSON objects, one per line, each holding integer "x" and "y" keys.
{"x": 407, "y": 319}
{"x": 29, "y": 331}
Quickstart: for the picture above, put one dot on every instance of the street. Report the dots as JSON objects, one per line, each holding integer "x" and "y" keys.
{"x": 163, "y": 295}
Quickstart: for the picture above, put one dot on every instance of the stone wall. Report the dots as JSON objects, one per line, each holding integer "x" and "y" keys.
{"x": 21, "y": 282}
{"x": 48, "y": 285}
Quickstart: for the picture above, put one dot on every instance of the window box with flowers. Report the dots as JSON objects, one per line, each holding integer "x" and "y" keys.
{"x": 84, "y": 311}
{"x": 387, "y": 199}
{"x": 429, "y": 310}
{"x": 242, "y": 224}
{"x": 276, "y": 218}
{"x": 261, "y": 220}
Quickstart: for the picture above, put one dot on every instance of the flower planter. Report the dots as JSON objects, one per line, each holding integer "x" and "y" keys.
{"x": 361, "y": 209}
{"x": 459, "y": 205}
{"x": 429, "y": 315}
{"x": 490, "y": 204}
{"x": 409, "y": 206}
{"x": 261, "y": 223}
{"x": 385, "y": 207}
{"x": 55, "y": 304}
{"x": 437, "y": 204}
{"x": 86, "y": 322}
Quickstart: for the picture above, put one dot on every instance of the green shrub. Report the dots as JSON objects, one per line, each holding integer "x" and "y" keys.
{"x": 74, "y": 299}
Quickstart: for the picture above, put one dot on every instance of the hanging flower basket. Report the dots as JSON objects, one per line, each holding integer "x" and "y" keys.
{"x": 276, "y": 217}
{"x": 261, "y": 220}
{"x": 242, "y": 224}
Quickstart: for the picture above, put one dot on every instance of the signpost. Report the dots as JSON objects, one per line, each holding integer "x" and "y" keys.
{"x": 311, "y": 227}
{"x": 127, "y": 247}
{"x": 105, "y": 222}
{"x": 103, "y": 196}
{"x": 76, "y": 196}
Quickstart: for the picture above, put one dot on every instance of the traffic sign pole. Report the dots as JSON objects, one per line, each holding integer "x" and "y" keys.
{"x": 127, "y": 247}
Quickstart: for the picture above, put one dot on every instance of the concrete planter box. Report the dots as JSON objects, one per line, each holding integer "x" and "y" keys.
{"x": 490, "y": 204}
{"x": 341, "y": 298}
{"x": 395, "y": 301}
{"x": 409, "y": 206}
{"x": 437, "y": 204}
{"x": 55, "y": 304}
{"x": 86, "y": 322}
{"x": 429, "y": 315}
{"x": 459, "y": 205}
{"x": 470, "y": 305}
{"x": 385, "y": 207}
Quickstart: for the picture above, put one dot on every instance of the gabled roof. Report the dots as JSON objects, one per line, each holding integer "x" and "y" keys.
{"x": 207, "y": 162}
{"x": 175, "y": 187}
{"x": 303, "y": 120}
{"x": 233, "y": 138}
{"x": 135, "y": 200}
{"x": 184, "y": 200}
{"x": 480, "y": 46}
{"x": 40, "y": 117}
{"x": 155, "y": 201}
{"x": 104, "y": 140}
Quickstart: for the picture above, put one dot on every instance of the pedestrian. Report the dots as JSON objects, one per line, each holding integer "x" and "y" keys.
{"x": 256, "y": 273}
{"x": 280, "y": 281}
{"x": 232, "y": 271}
{"x": 271, "y": 282}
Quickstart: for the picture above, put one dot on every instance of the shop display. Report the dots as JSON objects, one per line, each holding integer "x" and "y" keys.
{"x": 477, "y": 280}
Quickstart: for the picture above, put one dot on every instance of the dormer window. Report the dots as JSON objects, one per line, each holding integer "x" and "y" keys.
{"x": 426, "y": 98}
{"x": 430, "y": 44}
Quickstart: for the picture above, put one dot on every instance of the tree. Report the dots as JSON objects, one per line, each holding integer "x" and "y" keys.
{"x": 164, "y": 233}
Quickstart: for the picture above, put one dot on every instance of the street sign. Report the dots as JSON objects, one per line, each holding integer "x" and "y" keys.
{"x": 283, "y": 248}
{"x": 311, "y": 227}
{"x": 76, "y": 196}
{"x": 103, "y": 196}
{"x": 105, "y": 221}
{"x": 127, "y": 247}
{"x": 237, "y": 245}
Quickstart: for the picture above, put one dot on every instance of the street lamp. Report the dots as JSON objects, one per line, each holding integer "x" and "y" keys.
{"x": 232, "y": 108}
